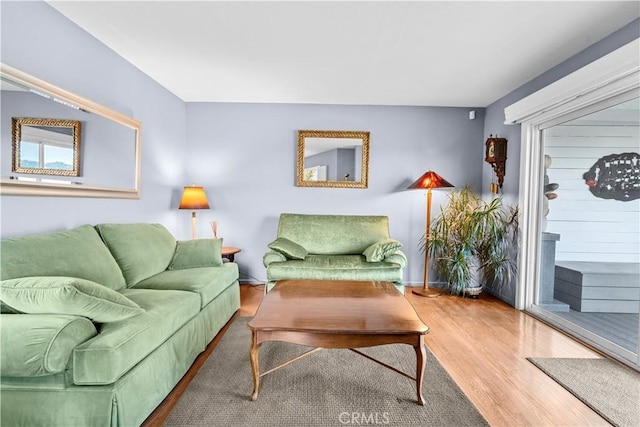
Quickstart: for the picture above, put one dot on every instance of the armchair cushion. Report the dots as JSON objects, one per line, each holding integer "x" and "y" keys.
{"x": 290, "y": 249}
{"x": 67, "y": 295}
{"x": 334, "y": 267}
{"x": 380, "y": 250}
{"x": 197, "y": 253}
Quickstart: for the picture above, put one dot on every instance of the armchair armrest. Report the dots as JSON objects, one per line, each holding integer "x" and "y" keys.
{"x": 272, "y": 256}
{"x": 398, "y": 257}
{"x": 40, "y": 344}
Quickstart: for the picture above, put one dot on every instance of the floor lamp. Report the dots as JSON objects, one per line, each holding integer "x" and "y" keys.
{"x": 428, "y": 181}
{"x": 193, "y": 198}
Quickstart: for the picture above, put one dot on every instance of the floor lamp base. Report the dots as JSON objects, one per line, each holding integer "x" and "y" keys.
{"x": 428, "y": 293}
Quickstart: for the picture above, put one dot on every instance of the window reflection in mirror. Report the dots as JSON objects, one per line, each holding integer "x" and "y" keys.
{"x": 332, "y": 159}
{"x": 31, "y": 159}
{"x": 46, "y": 146}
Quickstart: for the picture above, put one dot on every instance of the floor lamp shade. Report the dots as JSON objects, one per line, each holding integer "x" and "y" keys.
{"x": 193, "y": 198}
{"x": 428, "y": 181}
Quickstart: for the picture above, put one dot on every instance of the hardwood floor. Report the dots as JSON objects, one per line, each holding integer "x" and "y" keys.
{"x": 483, "y": 344}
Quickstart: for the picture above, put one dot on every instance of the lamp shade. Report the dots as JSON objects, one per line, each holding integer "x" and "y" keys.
{"x": 430, "y": 180}
{"x": 193, "y": 198}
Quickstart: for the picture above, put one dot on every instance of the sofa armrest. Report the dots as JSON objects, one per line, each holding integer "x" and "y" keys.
{"x": 40, "y": 344}
{"x": 398, "y": 257}
{"x": 272, "y": 256}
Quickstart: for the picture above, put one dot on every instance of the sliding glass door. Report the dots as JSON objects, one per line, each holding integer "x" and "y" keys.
{"x": 588, "y": 278}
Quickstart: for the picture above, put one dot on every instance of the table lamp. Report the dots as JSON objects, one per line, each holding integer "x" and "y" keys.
{"x": 193, "y": 198}
{"x": 428, "y": 181}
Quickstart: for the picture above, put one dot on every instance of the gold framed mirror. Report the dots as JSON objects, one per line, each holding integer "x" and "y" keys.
{"x": 335, "y": 159}
{"x": 45, "y": 146}
{"x": 109, "y": 165}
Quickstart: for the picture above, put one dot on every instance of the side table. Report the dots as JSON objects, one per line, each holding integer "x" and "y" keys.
{"x": 229, "y": 252}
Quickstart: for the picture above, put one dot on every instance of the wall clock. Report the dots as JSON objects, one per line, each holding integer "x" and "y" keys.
{"x": 496, "y": 156}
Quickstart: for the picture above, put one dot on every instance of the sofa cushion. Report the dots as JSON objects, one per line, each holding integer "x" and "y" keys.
{"x": 333, "y": 234}
{"x": 78, "y": 252}
{"x": 290, "y": 249}
{"x": 334, "y": 267}
{"x": 208, "y": 282}
{"x": 380, "y": 250}
{"x": 67, "y": 295}
{"x": 37, "y": 345}
{"x": 141, "y": 250}
{"x": 197, "y": 253}
{"x": 121, "y": 345}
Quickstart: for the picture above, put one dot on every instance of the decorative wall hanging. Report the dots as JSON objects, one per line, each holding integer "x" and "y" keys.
{"x": 496, "y": 156}
{"x": 616, "y": 176}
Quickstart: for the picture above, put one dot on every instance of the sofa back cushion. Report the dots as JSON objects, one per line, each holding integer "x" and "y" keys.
{"x": 333, "y": 234}
{"x": 78, "y": 252}
{"x": 141, "y": 250}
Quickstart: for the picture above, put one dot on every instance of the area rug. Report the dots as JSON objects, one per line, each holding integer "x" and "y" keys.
{"x": 332, "y": 387}
{"x": 609, "y": 388}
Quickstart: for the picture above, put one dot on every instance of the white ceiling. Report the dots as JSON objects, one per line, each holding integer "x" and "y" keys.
{"x": 460, "y": 53}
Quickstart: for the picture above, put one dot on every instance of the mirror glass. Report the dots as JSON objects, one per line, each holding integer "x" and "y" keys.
{"x": 96, "y": 155}
{"x": 45, "y": 146}
{"x": 332, "y": 159}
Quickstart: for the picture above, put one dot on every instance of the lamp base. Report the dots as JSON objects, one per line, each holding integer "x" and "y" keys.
{"x": 428, "y": 293}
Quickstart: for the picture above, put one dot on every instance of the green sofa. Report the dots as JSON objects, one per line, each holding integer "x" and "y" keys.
{"x": 334, "y": 247}
{"x": 99, "y": 323}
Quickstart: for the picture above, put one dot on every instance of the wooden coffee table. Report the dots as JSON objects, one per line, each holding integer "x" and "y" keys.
{"x": 337, "y": 314}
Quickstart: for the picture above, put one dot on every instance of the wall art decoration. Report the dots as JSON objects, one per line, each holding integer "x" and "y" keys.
{"x": 616, "y": 176}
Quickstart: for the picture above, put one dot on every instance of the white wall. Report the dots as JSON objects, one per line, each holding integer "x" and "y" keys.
{"x": 590, "y": 228}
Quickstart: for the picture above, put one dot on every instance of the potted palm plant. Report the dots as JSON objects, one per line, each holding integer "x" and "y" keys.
{"x": 474, "y": 242}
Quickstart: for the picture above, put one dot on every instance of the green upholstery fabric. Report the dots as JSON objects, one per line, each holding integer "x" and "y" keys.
{"x": 208, "y": 282}
{"x": 78, "y": 252}
{"x": 67, "y": 295}
{"x": 118, "y": 374}
{"x": 380, "y": 250}
{"x": 130, "y": 400}
{"x": 397, "y": 257}
{"x": 36, "y": 345}
{"x": 121, "y": 345}
{"x": 336, "y": 244}
{"x": 333, "y": 234}
{"x": 197, "y": 253}
{"x": 5, "y": 308}
{"x": 141, "y": 250}
{"x": 289, "y": 249}
{"x": 337, "y": 267}
{"x": 272, "y": 256}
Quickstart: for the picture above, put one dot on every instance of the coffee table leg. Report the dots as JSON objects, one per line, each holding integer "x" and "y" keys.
{"x": 421, "y": 361}
{"x": 255, "y": 367}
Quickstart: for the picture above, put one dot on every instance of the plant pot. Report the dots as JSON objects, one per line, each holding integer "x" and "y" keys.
{"x": 473, "y": 292}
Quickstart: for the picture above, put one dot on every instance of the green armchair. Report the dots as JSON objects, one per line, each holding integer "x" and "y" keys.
{"x": 334, "y": 247}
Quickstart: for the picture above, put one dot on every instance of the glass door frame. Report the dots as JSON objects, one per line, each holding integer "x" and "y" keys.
{"x": 608, "y": 81}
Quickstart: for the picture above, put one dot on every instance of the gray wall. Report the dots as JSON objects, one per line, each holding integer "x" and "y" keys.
{"x": 494, "y": 115}
{"x": 63, "y": 54}
{"x": 245, "y": 157}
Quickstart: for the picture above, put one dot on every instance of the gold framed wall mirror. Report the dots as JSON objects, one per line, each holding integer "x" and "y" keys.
{"x": 334, "y": 159}
{"x": 108, "y": 165}
{"x": 45, "y": 146}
